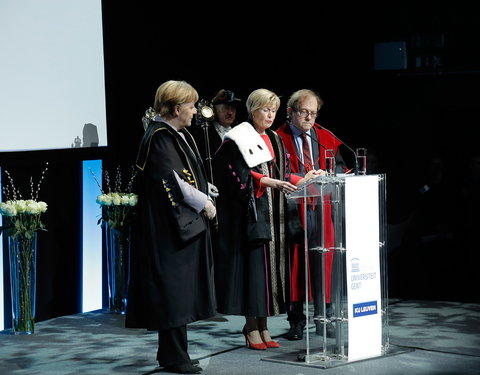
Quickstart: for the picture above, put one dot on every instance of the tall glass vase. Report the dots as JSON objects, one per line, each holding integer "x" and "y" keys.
{"x": 23, "y": 254}
{"x": 118, "y": 267}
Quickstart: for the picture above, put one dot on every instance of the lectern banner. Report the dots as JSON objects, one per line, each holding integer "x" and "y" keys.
{"x": 363, "y": 267}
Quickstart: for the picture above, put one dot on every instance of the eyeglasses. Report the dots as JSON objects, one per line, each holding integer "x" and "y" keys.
{"x": 305, "y": 113}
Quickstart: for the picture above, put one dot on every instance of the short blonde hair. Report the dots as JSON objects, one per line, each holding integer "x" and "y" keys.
{"x": 171, "y": 94}
{"x": 261, "y": 98}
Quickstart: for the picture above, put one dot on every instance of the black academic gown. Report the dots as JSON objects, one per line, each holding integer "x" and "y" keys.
{"x": 207, "y": 135}
{"x": 199, "y": 132}
{"x": 172, "y": 265}
{"x": 250, "y": 268}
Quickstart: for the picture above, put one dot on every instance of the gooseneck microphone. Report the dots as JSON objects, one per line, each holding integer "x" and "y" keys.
{"x": 316, "y": 140}
{"x": 343, "y": 143}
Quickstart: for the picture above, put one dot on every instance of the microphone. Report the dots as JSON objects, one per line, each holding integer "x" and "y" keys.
{"x": 326, "y": 148}
{"x": 316, "y": 140}
{"x": 343, "y": 143}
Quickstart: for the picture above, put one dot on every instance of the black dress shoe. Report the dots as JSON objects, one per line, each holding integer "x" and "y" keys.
{"x": 330, "y": 329}
{"x": 295, "y": 332}
{"x": 185, "y": 368}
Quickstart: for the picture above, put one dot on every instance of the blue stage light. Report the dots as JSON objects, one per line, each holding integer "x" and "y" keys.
{"x": 91, "y": 237}
{"x": 2, "y": 318}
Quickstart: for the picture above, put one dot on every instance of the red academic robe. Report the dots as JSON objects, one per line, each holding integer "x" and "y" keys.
{"x": 297, "y": 274}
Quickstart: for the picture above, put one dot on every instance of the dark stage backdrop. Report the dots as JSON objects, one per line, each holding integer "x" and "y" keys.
{"x": 417, "y": 123}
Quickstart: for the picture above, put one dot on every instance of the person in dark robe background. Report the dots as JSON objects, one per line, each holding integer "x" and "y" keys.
{"x": 250, "y": 257}
{"x": 172, "y": 263}
{"x": 208, "y": 134}
{"x": 224, "y": 105}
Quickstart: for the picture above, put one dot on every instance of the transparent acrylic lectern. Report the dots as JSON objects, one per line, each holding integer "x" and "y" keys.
{"x": 346, "y": 302}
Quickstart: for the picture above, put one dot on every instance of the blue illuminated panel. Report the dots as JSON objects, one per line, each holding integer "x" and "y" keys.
{"x": 2, "y": 318}
{"x": 92, "y": 237}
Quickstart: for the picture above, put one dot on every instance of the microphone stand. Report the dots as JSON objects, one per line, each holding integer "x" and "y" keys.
{"x": 315, "y": 140}
{"x": 318, "y": 142}
{"x": 343, "y": 143}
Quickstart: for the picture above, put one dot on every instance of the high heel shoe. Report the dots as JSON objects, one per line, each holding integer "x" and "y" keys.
{"x": 251, "y": 345}
{"x": 271, "y": 343}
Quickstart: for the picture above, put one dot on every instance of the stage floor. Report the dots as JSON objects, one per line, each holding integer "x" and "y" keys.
{"x": 426, "y": 337}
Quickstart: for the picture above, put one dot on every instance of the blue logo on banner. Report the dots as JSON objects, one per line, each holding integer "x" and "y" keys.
{"x": 364, "y": 308}
{"x": 355, "y": 264}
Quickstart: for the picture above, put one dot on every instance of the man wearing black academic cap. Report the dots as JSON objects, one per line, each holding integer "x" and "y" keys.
{"x": 224, "y": 106}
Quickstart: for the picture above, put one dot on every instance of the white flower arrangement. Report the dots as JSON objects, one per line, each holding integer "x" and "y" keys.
{"x": 18, "y": 207}
{"x": 117, "y": 205}
{"x": 22, "y": 217}
{"x": 118, "y": 199}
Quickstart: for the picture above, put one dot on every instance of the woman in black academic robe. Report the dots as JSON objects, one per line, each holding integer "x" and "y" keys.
{"x": 172, "y": 266}
{"x": 253, "y": 215}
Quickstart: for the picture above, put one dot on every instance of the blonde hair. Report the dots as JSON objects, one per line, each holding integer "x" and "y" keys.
{"x": 299, "y": 95}
{"x": 261, "y": 98}
{"x": 171, "y": 94}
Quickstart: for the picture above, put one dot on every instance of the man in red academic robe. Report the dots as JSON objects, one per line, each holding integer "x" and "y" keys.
{"x": 306, "y": 143}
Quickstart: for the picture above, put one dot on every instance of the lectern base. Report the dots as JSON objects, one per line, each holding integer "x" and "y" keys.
{"x": 299, "y": 358}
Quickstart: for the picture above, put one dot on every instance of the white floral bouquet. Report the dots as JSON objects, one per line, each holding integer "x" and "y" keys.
{"x": 117, "y": 199}
{"x": 117, "y": 205}
{"x": 22, "y": 217}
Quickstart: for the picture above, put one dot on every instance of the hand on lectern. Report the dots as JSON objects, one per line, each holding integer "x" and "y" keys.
{"x": 314, "y": 173}
{"x": 311, "y": 174}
